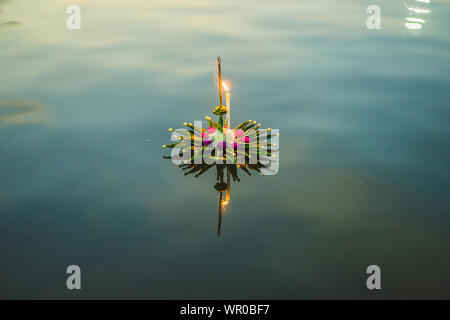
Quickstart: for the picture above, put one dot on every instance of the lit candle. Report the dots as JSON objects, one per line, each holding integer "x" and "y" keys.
{"x": 227, "y": 102}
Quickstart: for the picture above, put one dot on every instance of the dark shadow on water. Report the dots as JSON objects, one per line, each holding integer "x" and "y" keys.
{"x": 6, "y": 23}
{"x": 22, "y": 111}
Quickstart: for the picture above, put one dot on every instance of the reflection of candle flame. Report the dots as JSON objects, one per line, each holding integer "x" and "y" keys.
{"x": 225, "y": 203}
{"x": 225, "y": 86}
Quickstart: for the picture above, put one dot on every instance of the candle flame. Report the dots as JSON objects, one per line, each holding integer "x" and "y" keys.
{"x": 224, "y": 203}
{"x": 225, "y": 86}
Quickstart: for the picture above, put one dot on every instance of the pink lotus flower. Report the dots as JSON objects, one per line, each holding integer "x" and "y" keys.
{"x": 205, "y": 135}
{"x": 238, "y": 133}
{"x": 222, "y": 145}
{"x": 206, "y": 142}
{"x": 245, "y": 139}
{"x": 211, "y": 130}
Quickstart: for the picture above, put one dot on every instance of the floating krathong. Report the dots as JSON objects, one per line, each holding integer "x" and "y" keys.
{"x": 246, "y": 147}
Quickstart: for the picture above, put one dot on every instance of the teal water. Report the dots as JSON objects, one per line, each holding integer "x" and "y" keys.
{"x": 364, "y": 150}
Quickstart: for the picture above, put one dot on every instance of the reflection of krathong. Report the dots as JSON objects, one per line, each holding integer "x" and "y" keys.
{"x": 246, "y": 147}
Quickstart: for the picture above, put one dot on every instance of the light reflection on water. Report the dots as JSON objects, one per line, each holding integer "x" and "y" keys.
{"x": 417, "y": 11}
{"x": 364, "y": 175}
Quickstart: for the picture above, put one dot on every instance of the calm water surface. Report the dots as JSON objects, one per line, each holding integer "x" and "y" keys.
{"x": 364, "y": 174}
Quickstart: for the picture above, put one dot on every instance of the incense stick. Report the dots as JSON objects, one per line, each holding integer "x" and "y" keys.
{"x": 219, "y": 70}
